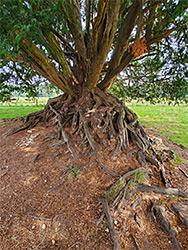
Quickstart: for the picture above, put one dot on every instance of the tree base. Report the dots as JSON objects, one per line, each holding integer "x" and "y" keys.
{"x": 98, "y": 124}
{"x": 100, "y": 127}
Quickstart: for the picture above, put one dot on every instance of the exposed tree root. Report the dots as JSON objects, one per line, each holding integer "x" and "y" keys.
{"x": 110, "y": 222}
{"x": 182, "y": 211}
{"x": 120, "y": 194}
{"x": 136, "y": 243}
{"x": 186, "y": 175}
{"x": 97, "y": 122}
{"x": 101, "y": 127}
{"x": 30, "y": 121}
{"x": 162, "y": 219}
{"x": 159, "y": 190}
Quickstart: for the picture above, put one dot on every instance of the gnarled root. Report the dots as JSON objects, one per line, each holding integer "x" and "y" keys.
{"x": 100, "y": 126}
{"x": 124, "y": 202}
{"x": 98, "y": 123}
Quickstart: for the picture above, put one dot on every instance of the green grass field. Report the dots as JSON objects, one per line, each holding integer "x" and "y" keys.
{"x": 22, "y": 107}
{"x": 170, "y": 121}
{"x": 17, "y": 111}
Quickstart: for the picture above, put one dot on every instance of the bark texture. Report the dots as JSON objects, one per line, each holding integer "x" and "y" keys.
{"x": 99, "y": 126}
{"x": 96, "y": 122}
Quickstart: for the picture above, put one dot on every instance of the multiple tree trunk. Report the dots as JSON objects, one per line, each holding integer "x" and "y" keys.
{"x": 86, "y": 62}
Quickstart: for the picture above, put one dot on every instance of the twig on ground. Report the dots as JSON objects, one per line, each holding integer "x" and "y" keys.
{"x": 41, "y": 218}
{"x": 136, "y": 243}
{"x": 35, "y": 158}
{"x": 73, "y": 245}
{"x": 186, "y": 175}
{"x": 57, "y": 187}
{"x": 41, "y": 240}
{"x": 106, "y": 169}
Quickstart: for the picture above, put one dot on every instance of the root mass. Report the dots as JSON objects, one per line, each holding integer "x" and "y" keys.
{"x": 101, "y": 127}
{"x": 95, "y": 123}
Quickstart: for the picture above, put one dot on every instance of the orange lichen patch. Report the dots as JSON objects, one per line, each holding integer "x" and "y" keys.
{"x": 138, "y": 47}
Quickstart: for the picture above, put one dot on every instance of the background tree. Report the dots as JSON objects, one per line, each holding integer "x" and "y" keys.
{"x": 20, "y": 81}
{"x": 81, "y": 47}
{"x": 162, "y": 75}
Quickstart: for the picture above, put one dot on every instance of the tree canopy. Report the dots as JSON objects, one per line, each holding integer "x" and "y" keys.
{"x": 162, "y": 75}
{"x": 76, "y": 44}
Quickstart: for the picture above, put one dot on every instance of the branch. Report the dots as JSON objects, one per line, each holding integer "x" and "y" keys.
{"x": 153, "y": 5}
{"x": 88, "y": 36}
{"x": 126, "y": 59}
{"x": 88, "y": 7}
{"x": 150, "y": 22}
{"x": 101, "y": 10}
{"x": 124, "y": 34}
{"x": 45, "y": 65}
{"x": 66, "y": 43}
{"x": 109, "y": 78}
{"x": 140, "y": 25}
{"x": 161, "y": 36}
{"x": 142, "y": 57}
{"x": 22, "y": 57}
{"x": 60, "y": 56}
{"x": 106, "y": 209}
{"x": 104, "y": 31}
{"x": 73, "y": 18}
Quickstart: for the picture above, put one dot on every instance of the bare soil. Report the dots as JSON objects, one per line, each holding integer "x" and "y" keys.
{"x": 45, "y": 207}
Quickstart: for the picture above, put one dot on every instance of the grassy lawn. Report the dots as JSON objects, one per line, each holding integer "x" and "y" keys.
{"x": 17, "y": 111}
{"x": 170, "y": 121}
{"x": 22, "y": 107}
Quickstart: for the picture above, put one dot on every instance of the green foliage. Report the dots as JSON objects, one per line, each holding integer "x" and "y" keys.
{"x": 73, "y": 175}
{"x": 140, "y": 176}
{"x": 178, "y": 159}
{"x": 161, "y": 74}
{"x": 161, "y": 202}
{"x": 113, "y": 191}
{"x": 74, "y": 172}
{"x": 17, "y": 77}
{"x": 23, "y": 20}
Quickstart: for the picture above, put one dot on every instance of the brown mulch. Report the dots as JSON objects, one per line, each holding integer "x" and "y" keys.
{"x": 40, "y": 208}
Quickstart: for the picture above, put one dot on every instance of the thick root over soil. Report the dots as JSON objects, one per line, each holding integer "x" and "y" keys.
{"x": 101, "y": 127}
{"x": 96, "y": 123}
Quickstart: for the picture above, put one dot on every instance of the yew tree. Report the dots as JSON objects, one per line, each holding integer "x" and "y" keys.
{"x": 81, "y": 47}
